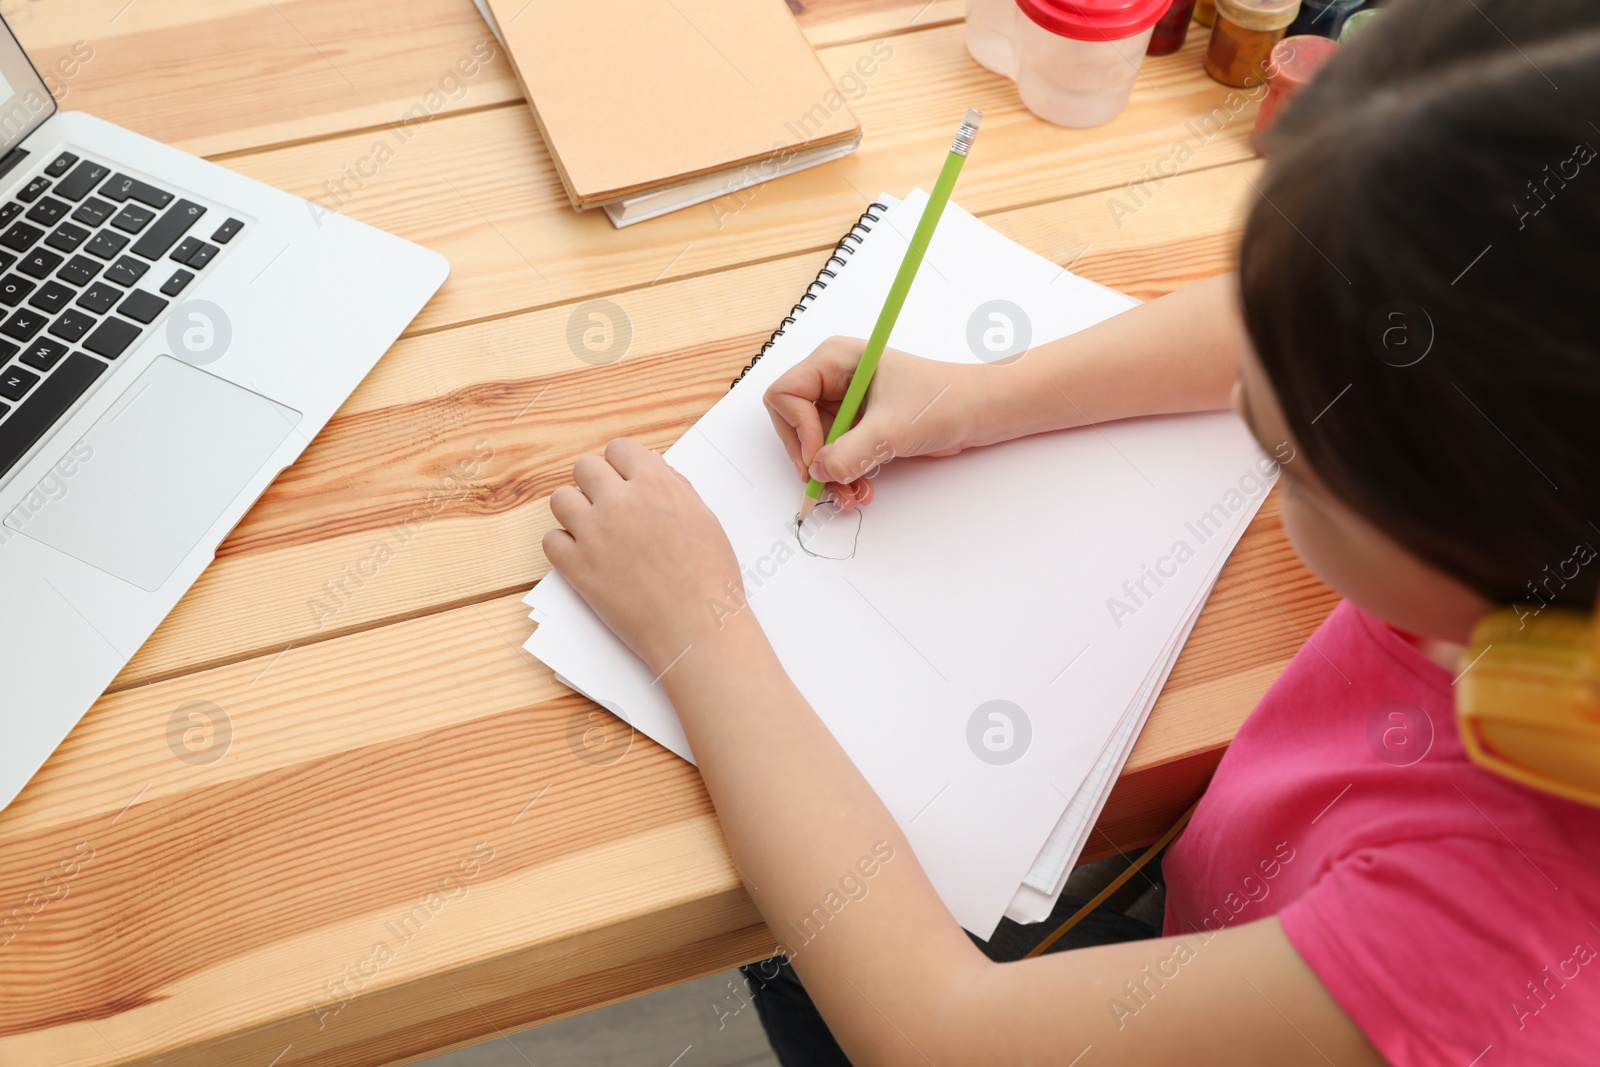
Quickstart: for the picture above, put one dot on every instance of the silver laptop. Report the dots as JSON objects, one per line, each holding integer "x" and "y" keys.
{"x": 172, "y": 335}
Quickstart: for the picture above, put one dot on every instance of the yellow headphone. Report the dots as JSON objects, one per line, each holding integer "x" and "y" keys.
{"x": 1528, "y": 700}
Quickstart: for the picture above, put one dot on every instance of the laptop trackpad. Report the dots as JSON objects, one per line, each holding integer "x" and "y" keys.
{"x": 147, "y": 481}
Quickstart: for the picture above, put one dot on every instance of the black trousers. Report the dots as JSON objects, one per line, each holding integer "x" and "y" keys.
{"x": 800, "y": 1038}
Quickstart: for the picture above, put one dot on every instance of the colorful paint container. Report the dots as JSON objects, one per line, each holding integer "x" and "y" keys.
{"x": 1293, "y": 63}
{"x": 1205, "y": 12}
{"x": 1172, "y": 30}
{"x": 1357, "y": 24}
{"x": 1243, "y": 36}
{"x": 1323, "y": 18}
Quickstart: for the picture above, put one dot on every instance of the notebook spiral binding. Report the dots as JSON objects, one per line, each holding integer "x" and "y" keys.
{"x": 846, "y": 247}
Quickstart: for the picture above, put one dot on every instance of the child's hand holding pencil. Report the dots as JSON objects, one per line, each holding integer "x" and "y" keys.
{"x": 917, "y": 407}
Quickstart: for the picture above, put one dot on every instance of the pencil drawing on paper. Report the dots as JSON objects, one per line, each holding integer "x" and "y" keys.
{"x": 829, "y": 532}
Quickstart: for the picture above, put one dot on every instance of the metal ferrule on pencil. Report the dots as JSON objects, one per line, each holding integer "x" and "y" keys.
{"x": 967, "y": 133}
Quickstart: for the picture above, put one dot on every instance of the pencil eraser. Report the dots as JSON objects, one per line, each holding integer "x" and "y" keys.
{"x": 974, "y": 116}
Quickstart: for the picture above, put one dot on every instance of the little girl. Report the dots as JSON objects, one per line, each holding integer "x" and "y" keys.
{"x": 1416, "y": 322}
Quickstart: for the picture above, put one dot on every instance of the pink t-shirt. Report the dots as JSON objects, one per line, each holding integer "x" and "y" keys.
{"x": 1454, "y": 914}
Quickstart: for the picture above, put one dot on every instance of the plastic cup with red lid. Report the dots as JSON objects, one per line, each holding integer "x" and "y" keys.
{"x": 1077, "y": 59}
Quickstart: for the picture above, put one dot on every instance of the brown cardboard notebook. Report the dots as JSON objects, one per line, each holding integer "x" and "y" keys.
{"x": 634, "y": 96}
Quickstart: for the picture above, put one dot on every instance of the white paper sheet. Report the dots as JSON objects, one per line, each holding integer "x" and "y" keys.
{"x": 1036, "y": 898}
{"x": 975, "y": 578}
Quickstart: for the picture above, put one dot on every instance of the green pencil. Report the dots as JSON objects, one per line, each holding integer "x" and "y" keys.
{"x": 879, "y": 340}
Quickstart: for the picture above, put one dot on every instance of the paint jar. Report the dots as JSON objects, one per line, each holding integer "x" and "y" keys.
{"x": 1356, "y": 24}
{"x": 1172, "y": 30}
{"x": 1077, "y": 59}
{"x": 1243, "y": 36}
{"x": 1205, "y": 11}
{"x": 1323, "y": 18}
{"x": 1293, "y": 63}
{"x": 991, "y": 27}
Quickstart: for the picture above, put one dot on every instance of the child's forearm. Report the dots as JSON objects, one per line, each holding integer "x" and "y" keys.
{"x": 1177, "y": 353}
{"x": 820, "y": 854}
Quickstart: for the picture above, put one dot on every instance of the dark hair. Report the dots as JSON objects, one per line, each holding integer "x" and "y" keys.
{"x": 1425, "y": 258}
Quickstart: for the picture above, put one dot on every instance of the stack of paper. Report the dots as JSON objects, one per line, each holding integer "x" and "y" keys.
{"x": 1014, "y": 609}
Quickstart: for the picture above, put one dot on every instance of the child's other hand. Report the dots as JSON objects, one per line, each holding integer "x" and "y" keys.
{"x": 641, "y": 547}
{"x": 916, "y": 407}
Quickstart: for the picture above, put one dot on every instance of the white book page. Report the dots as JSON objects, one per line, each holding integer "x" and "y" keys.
{"x": 973, "y": 579}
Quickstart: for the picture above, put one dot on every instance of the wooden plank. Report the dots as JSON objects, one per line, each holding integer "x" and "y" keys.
{"x": 355, "y": 778}
{"x": 232, "y": 75}
{"x": 480, "y": 189}
{"x": 236, "y": 75}
{"x": 266, "y": 900}
{"x": 372, "y": 524}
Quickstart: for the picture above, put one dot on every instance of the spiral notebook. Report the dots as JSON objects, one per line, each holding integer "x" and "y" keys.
{"x": 993, "y": 598}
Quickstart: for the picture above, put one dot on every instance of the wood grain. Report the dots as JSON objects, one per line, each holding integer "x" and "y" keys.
{"x": 479, "y": 187}
{"x": 240, "y": 75}
{"x": 372, "y": 525}
{"x": 362, "y": 771}
{"x": 394, "y": 770}
{"x": 339, "y": 804}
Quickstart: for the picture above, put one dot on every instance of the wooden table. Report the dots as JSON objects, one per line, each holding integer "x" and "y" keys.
{"x": 388, "y": 841}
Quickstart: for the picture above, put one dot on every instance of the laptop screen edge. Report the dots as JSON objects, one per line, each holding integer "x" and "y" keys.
{"x": 25, "y": 100}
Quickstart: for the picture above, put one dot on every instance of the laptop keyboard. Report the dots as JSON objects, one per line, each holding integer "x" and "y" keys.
{"x": 89, "y": 258}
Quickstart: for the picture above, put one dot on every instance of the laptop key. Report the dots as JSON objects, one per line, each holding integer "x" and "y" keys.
{"x": 127, "y": 270}
{"x": 14, "y": 289}
{"x": 121, "y": 188}
{"x": 44, "y": 408}
{"x": 84, "y": 177}
{"x": 16, "y": 381}
{"x": 23, "y": 324}
{"x": 39, "y": 263}
{"x": 47, "y": 211}
{"x": 202, "y": 255}
{"x": 133, "y": 218}
{"x": 226, "y": 231}
{"x": 44, "y": 353}
{"x": 186, "y": 248}
{"x": 60, "y": 165}
{"x": 33, "y": 190}
{"x": 51, "y": 297}
{"x": 93, "y": 211}
{"x": 71, "y": 326}
{"x": 7, "y": 350}
{"x": 78, "y": 271}
{"x": 100, "y": 297}
{"x": 173, "y": 224}
{"x": 67, "y": 237}
{"x": 142, "y": 306}
{"x": 9, "y": 210}
{"x": 112, "y": 338}
{"x": 21, "y": 237}
{"x": 105, "y": 244}
{"x": 174, "y": 285}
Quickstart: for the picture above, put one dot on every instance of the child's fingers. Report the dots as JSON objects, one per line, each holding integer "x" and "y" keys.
{"x": 804, "y": 418}
{"x": 858, "y": 452}
{"x": 630, "y": 459}
{"x": 570, "y": 507}
{"x": 560, "y": 548}
{"x": 823, "y": 375}
{"x": 789, "y": 437}
{"x": 595, "y": 476}
{"x": 851, "y": 495}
